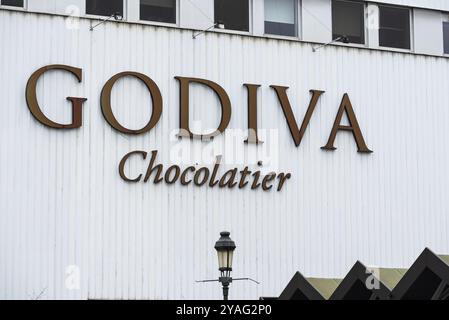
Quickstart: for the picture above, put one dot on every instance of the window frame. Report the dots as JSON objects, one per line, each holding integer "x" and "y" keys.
{"x": 365, "y": 26}
{"x": 96, "y": 16}
{"x": 163, "y": 24}
{"x": 445, "y": 20}
{"x": 250, "y": 22}
{"x": 298, "y": 29}
{"x": 22, "y": 8}
{"x": 411, "y": 28}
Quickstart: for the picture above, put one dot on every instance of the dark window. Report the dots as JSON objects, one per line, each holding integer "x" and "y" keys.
{"x": 394, "y": 27}
{"x": 158, "y": 10}
{"x": 446, "y": 37}
{"x": 280, "y": 17}
{"x": 348, "y": 19}
{"x": 104, "y": 7}
{"x": 234, "y": 14}
{"x": 13, "y": 3}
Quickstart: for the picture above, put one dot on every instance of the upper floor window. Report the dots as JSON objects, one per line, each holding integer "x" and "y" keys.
{"x": 280, "y": 17}
{"x": 104, "y": 7}
{"x": 348, "y": 20}
{"x": 12, "y": 3}
{"x": 446, "y": 37}
{"x": 158, "y": 10}
{"x": 233, "y": 14}
{"x": 394, "y": 27}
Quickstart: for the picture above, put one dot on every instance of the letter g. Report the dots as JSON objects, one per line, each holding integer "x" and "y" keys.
{"x": 33, "y": 105}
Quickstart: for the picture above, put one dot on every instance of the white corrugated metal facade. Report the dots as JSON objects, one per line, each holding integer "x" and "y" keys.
{"x": 62, "y": 202}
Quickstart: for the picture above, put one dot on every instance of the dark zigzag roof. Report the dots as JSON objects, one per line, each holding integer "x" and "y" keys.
{"x": 426, "y": 279}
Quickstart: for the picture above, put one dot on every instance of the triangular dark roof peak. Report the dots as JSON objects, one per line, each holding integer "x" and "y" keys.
{"x": 427, "y": 279}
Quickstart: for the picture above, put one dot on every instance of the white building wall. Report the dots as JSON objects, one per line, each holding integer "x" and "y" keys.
{"x": 55, "y": 6}
{"x": 192, "y": 8}
{"x": 62, "y": 202}
{"x": 132, "y": 11}
{"x": 258, "y": 18}
{"x": 316, "y": 20}
{"x": 197, "y": 14}
{"x": 372, "y": 25}
{"x": 428, "y": 32}
{"x": 59, "y": 5}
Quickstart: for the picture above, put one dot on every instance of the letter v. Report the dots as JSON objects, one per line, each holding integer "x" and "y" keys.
{"x": 296, "y": 133}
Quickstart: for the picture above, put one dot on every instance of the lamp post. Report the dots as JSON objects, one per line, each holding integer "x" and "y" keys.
{"x": 225, "y": 250}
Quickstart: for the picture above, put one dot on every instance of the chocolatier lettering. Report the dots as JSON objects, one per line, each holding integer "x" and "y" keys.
{"x": 204, "y": 176}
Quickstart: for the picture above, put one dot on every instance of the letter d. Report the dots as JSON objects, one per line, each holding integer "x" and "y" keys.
{"x": 225, "y": 104}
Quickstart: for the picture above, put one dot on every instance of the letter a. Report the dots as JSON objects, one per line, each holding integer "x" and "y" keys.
{"x": 354, "y": 127}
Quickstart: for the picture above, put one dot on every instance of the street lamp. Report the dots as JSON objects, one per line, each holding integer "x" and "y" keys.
{"x": 225, "y": 250}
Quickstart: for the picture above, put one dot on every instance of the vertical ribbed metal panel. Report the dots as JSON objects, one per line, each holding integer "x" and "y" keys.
{"x": 62, "y": 202}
